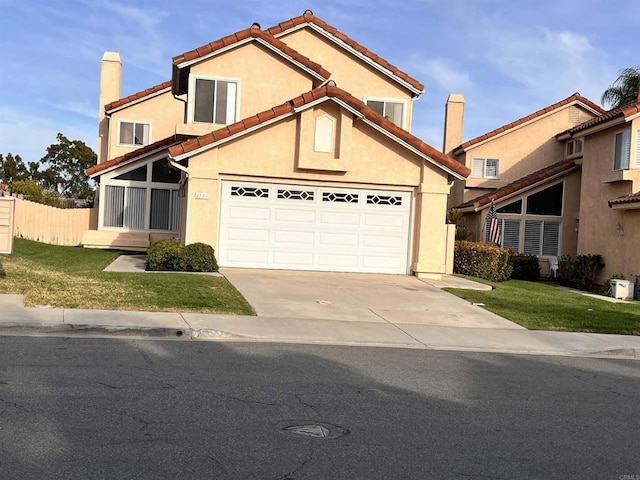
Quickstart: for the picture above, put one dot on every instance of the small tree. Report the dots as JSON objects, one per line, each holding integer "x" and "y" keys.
{"x": 66, "y": 162}
{"x": 12, "y": 168}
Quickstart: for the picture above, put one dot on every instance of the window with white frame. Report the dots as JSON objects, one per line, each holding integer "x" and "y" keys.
{"x": 622, "y": 150}
{"x": 213, "y": 100}
{"x": 143, "y": 198}
{"x": 574, "y": 148}
{"x": 485, "y": 168}
{"x": 541, "y": 238}
{"x": 389, "y": 109}
{"x": 134, "y": 133}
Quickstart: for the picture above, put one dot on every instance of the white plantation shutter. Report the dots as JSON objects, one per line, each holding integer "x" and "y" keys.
{"x": 113, "y": 206}
{"x": 135, "y": 207}
{"x": 511, "y": 234}
{"x": 491, "y": 168}
{"x": 477, "y": 169}
{"x": 637, "y": 148}
{"x": 622, "y": 150}
{"x": 532, "y": 236}
{"x": 551, "y": 239}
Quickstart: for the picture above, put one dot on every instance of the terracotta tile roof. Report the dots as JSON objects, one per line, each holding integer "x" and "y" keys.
{"x": 309, "y": 17}
{"x": 622, "y": 111}
{"x": 576, "y": 97}
{"x": 631, "y": 198}
{"x": 306, "y": 98}
{"x": 138, "y": 96}
{"x": 140, "y": 152}
{"x": 521, "y": 184}
{"x": 251, "y": 32}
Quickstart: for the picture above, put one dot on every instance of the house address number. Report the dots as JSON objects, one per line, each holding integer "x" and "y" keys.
{"x": 202, "y": 196}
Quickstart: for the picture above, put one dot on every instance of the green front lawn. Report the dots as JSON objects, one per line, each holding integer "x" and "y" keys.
{"x": 545, "y": 306}
{"x": 72, "y": 277}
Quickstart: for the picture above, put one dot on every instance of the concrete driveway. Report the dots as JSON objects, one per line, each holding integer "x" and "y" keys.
{"x": 395, "y": 299}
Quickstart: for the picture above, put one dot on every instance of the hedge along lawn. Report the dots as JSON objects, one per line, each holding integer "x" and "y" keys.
{"x": 72, "y": 277}
{"x": 544, "y": 306}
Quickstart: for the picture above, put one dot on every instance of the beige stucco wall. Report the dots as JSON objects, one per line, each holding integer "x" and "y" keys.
{"x": 349, "y": 73}
{"x": 375, "y": 162}
{"x": 266, "y": 79}
{"x": 521, "y": 151}
{"x": 599, "y": 231}
{"x": 162, "y": 111}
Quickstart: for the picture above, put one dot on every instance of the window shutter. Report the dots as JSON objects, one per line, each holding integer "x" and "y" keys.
{"x": 477, "y": 170}
{"x": 626, "y": 149}
{"x": 511, "y": 234}
{"x": 532, "y": 236}
{"x": 134, "y": 212}
{"x": 551, "y": 239}
{"x": 113, "y": 206}
{"x": 638, "y": 148}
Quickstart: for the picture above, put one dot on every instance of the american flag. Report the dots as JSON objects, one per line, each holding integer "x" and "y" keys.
{"x": 494, "y": 226}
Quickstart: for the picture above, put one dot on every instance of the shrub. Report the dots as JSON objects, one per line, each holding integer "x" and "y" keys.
{"x": 482, "y": 260}
{"x": 164, "y": 255}
{"x": 525, "y": 267}
{"x": 171, "y": 256}
{"x": 579, "y": 271}
{"x": 199, "y": 257}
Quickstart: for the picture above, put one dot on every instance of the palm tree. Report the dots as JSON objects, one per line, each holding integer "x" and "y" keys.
{"x": 624, "y": 90}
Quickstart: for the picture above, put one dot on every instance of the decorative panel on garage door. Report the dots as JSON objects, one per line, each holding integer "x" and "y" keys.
{"x": 302, "y": 227}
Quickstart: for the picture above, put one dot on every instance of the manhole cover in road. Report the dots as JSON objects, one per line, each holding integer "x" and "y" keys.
{"x": 313, "y": 430}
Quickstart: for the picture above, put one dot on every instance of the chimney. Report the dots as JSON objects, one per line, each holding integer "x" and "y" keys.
{"x": 453, "y": 122}
{"x": 110, "y": 82}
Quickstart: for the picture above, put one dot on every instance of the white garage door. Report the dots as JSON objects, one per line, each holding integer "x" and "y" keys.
{"x": 302, "y": 227}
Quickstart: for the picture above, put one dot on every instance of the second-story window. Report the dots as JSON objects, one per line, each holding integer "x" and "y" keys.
{"x": 134, "y": 133}
{"x": 392, "y": 110}
{"x": 485, "y": 168}
{"x": 214, "y": 100}
{"x": 622, "y": 150}
{"x": 574, "y": 148}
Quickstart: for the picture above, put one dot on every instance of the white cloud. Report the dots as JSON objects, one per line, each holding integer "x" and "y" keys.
{"x": 442, "y": 72}
{"x": 82, "y": 108}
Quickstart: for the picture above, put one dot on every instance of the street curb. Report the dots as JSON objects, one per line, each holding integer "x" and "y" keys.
{"x": 92, "y": 330}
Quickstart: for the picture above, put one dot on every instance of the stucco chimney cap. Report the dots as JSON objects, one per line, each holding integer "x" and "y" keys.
{"x": 111, "y": 57}
{"x": 455, "y": 98}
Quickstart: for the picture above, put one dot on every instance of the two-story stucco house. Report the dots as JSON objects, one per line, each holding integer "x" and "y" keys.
{"x": 564, "y": 180}
{"x": 287, "y": 148}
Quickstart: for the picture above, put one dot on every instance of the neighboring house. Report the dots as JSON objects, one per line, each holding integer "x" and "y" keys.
{"x": 553, "y": 176}
{"x": 282, "y": 148}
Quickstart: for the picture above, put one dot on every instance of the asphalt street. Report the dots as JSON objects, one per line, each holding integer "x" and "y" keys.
{"x": 150, "y": 409}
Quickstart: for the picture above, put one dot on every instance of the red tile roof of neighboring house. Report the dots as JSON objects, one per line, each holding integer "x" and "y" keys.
{"x": 251, "y": 32}
{"x": 306, "y": 98}
{"x": 631, "y": 198}
{"x": 521, "y": 184}
{"x": 309, "y": 17}
{"x": 576, "y": 97}
{"x": 622, "y": 111}
{"x": 138, "y": 96}
{"x": 140, "y": 152}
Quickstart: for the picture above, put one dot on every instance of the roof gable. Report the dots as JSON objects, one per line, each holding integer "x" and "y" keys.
{"x": 521, "y": 185}
{"x": 620, "y": 113}
{"x": 308, "y": 19}
{"x": 139, "y": 96}
{"x": 576, "y": 98}
{"x": 137, "y": 154}
{"x": 182, "y": 62}
{"x": 307, "y": 100}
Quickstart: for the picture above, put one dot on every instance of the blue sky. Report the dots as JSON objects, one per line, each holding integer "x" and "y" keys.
{"x": 508, "y": 58}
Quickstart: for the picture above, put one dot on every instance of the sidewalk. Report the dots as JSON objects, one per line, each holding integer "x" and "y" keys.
{"x": 15, "y": 319}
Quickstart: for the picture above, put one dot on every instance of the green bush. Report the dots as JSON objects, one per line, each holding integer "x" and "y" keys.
{"x": 199, "y": 257}
{"x": 482, "y": 260}
{"x": 579, "y": 271}
{"x": 164, "y": 255}
{"x": 171, "y": 256}
{"x": 525, "y": 267}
